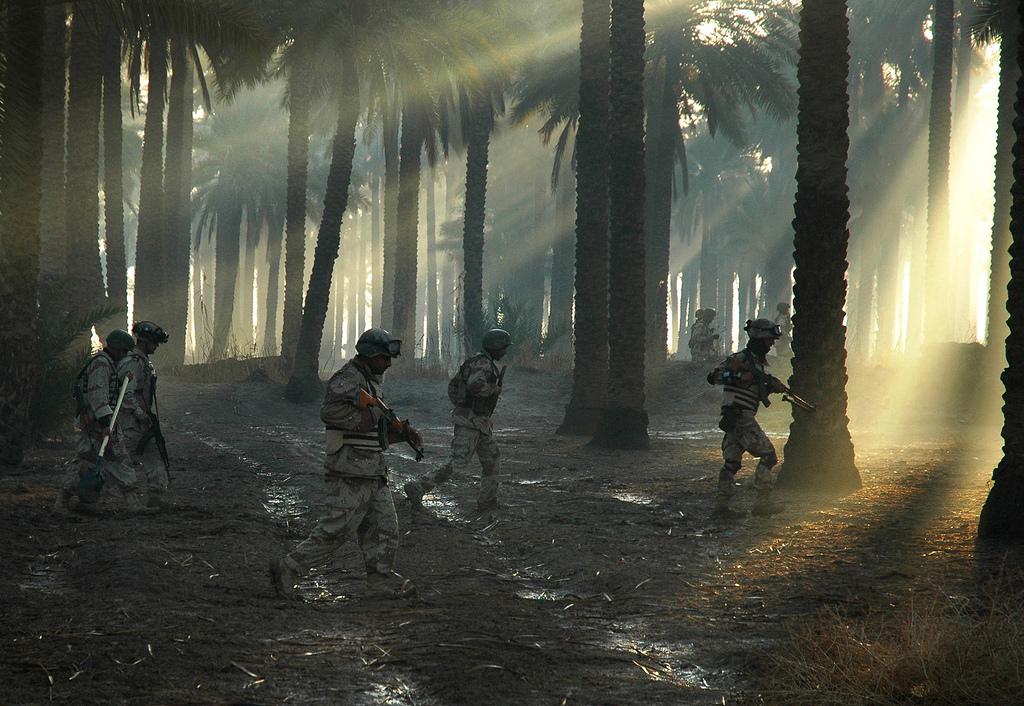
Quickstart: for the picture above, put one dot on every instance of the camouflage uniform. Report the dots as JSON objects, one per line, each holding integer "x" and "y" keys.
{"x": 135, "y": 421}
{"x": 703, "y": 342}
{"x": 98, "y": 388}
{"x": 740, "y": 403}
{"x": 474, "y": 432}
{"x": 784, "y": 346}
{"x": 359, "y": 503}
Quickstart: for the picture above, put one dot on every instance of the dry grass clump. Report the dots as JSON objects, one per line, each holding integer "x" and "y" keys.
{"x": 935, "y": 650}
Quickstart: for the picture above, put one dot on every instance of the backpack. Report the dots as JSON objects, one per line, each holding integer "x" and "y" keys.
{"x": 457, "y": 393}
{"x": 81, "y": 403}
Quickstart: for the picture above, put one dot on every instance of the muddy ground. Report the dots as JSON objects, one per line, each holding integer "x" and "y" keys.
{"x": 602, "y": 581}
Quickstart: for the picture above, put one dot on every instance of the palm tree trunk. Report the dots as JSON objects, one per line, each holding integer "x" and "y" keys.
{"x": 113, "y": 177}
{"x": 243, "y": 319}
{"x": 432, "y": 338}
{"x": 819, "y": 452}
{"x": 560, "y": 307}
{"x": 20, "y": 202}
{"x": 177, "y": 240}
{"x": 53, "y": 230}
{"x": 304, "y": 384}
{"x": 939, "y": 137}
{"x": 376, "y": 245}
{"x": 85, "y": 278}
{"x": 391, "y": 188}
{"x": 1001, "y": 515}
{"x": 299, "y": 102}
{"x": 663, "y": 123}
{"x": 229, "y": 233}
{"x": 623, "y": 424}
{"x": 477, "y": 157}
{"x": 149, "y": 261}
{"x": 275, "y": 228}
{"x": 1009, "y": 75}
{"x": 360, "y": 274}
{"x": 404, "y": 319}
{"x": 590, "y": 327}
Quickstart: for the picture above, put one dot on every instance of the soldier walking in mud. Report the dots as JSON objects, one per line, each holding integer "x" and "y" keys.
{"x": 703, "y": 339}
{"x": 359, "y": 503}
{"x": 140, "y": 423}
{"x": 747, "y": 386}
{"x": 474, "y": 392}
{"x": 96, "y": 391}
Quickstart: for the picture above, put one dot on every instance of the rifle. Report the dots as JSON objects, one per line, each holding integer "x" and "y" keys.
{"x": 154, "y": 433}
{"x": 365, "y": 400}
{"x": 764, "y": 380}
{"x": 796, "y": 400}
{"x": 90, "y": 483}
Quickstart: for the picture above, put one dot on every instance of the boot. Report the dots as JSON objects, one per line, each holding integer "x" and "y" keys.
{"x": 764, "y": 506}
{"x": 390, "y": 585}
{"x": 722, "y": 510}
{"x": 283, "y": 579}
{"x": 414, "y": 493}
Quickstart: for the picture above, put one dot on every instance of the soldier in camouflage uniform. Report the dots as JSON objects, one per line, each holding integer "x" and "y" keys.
{"x": 703, "y": 339}
{"x": 784, "y": 347}
{"x": 474, "y": 391}
{"x": 359, "y": 502}
{"x": 96, "y": 390}
{"x": 747, "y": 386}
{"x": 138, "y": 414}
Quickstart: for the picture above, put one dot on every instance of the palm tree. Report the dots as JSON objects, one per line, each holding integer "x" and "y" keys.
{"x": 113, "y": 169}
{"x": 20, "y": 200}
{"x": 1001, "y": 515}
{"x": 590, "y": 326}
{"x": 624, "y": 424}
{"x": 304, "y": 383}
{"x": 85, "y": 278}
{"x": 940, "y": 118}
{"x": 819, "y": 452}
{"x": 998, "y": 22}
{"x": 481, "y": 124}
{"x": 53, "y": 232}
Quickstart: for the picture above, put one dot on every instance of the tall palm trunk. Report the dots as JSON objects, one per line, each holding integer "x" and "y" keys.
{"x": 85, "y": 278}
{"x": 113, "y": 168}
{"x": 275, "y": 228}
{"x": 376, "y": 249}
{"x": 20, "y": 201}
{"x": 177, "y": 239}
{"x": 623, "y": 423}
{"x": 149, "y": 261}
{"x": 477, "y": 157}
{"x": 1001, "y": 515}
{"x": 432, "y": 337}
{"x": 560, "y": 308}
{"x": 663, "y": 122}
{"x": 819, "y": 452}
{"x": 53, "y": 231}
{"x": 1009, "y": 75}
{"x": 299, "y": 101}
{"x": 391, "y": 188}
{"x": 243, "y": 318}
{"x": 304, "y": 384}
{"x": 940, "y": 117}
{"x": 410, "y": 146}
{"x": 590, "y": 328}
{"x": 360, "y": 274}
{"x": 229, "y": 233}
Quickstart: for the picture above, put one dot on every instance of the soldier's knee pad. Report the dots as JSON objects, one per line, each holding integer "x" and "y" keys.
{"x": 732, "y": 466}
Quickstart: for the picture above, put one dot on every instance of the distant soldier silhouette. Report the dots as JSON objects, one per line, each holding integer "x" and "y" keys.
{"x": 703, "y": 338}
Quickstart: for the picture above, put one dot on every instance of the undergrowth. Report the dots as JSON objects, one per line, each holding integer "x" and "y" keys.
{"x": 933, "y": 650}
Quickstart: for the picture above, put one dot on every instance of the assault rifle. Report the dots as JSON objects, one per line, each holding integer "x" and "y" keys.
{"x": 764, "y": 381}
{"x": 366, "y": 400}
{"x": 154, "y": 433}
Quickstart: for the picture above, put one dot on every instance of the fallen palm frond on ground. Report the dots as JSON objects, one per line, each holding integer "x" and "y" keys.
{"x": 934, "y": 650}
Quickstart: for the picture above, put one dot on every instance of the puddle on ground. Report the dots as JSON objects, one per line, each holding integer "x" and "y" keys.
{"x": 664, "y": 661}
{"x": 444, "y": 508}
{"x": 635, "y": 498}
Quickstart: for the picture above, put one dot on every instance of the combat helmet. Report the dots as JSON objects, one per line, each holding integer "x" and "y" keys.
{"x": 762, "y": 328}
{"x": 377, "y": 341}
{"x": 120, "y": 340}
{"x": 705, "y": 314}
{"x": 496, "y": 340}
{"x": 149, "y": 331}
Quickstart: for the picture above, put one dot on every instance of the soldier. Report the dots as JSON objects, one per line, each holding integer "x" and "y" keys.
{"x": 96, "y": 389}
{"x": 784, "y": 348}
{"x": 140, "y": 423}
{"x": 474, "y": 391}
{"x": 747, "y": 385}
{"x": 359, "y": 503}
{"x": 703, "y": 339}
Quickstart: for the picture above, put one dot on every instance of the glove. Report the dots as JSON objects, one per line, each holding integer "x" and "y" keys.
{"x": 140, "y": 414}
{"x": 776, "y": 385}
{"x": 104, "y": 423}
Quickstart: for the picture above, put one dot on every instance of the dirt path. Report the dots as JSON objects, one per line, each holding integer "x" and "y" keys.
{"x": 601, "y": 582}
